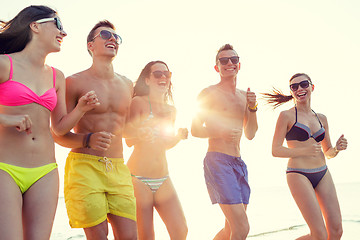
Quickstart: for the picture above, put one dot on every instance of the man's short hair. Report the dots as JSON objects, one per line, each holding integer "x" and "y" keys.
{"x": 224, "y": 48}
{"x": 104, "y": 23}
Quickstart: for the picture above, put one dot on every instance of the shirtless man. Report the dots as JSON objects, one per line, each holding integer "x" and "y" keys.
{"x": 225, "y": 112}
{"x": 98, "y": 186}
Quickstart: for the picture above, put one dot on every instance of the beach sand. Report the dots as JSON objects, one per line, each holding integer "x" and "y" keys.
{"x": 63, "y": 231}
{"x": 351, "y": 232}
{"x": 276, "y": 218}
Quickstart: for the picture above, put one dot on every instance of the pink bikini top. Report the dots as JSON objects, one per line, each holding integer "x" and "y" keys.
{"x": 13, "y": 93}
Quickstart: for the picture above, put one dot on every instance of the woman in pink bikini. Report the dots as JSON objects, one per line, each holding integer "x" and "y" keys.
{"x": 154, "y": 117}
{"x": 308, "y": 143}
{"x": 31, "y": 93}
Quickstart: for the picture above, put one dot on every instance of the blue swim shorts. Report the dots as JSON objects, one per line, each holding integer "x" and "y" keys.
{"x": 226, "y": 179}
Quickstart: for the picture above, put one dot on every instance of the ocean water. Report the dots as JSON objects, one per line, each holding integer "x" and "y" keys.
{"x": 272, "y": 214}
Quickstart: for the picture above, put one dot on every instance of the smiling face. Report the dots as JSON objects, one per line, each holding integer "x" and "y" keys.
{"x": 50, "y": 34}
{"x": 159, "y": 82}
{"x": 301, "y": 88}
{"x": 99, "y": 45}
{"x": 229, "y": 69}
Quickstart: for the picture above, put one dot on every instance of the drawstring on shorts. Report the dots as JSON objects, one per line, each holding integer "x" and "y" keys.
{"x": 108, "y": 163}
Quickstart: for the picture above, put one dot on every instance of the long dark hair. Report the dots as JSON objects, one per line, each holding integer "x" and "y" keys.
{"x": 16, "y": 33}
{"x": 141, "y": 89}
{"x": 277, "y": 97}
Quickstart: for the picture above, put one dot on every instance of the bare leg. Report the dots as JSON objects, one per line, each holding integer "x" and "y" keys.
{"x": 169, "y": 208}
{"x": 305, "y": 198}
{"x": 144, "y": 210}
{"x": 237, "y": 221}
{"x": 123, "y": 228}
{"x": 98, "y": 232}
{"x": 224, "y": 233}
{"x": 306, "y": 237}
{"x": 329, "y": 204}
{"x": 39, "y": 207}
{"x": 10, "y": 208}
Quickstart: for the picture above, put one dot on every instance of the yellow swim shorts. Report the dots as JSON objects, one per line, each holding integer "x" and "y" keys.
{"x": 95, "y": 186}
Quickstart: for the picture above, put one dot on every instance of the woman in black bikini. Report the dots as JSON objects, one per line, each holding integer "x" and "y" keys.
{"x": 308, "y": 142}
{"x": 154, "y": 118}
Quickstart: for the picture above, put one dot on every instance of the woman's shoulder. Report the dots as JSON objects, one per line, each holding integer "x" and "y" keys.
{"x": 4, "y": 68}
{"x": 322, "y": 117}
{"x": 287, "y": 114}
{"x": 137, "y": 107}
{"x": 138, "y": 102}
{"x": 58, "y": 76}
{"x": 59, "y": 73}
{"x": 139, "y": 99}
{"x": 171, "y": 109}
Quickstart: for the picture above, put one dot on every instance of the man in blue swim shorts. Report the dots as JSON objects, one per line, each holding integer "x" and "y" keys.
{"x": 225, "y": 112}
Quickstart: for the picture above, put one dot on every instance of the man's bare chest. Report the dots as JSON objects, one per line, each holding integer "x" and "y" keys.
{"x": 229, "y": 106}
{"x": 112, "y": 97}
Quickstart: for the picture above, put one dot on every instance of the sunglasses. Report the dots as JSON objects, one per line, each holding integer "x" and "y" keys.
{"x": 225, "y": 60}
{"x": 106, "y": 35}
{"x": 303, "y": 84}
{"x": 56, "y": 19}
{"x": 159, "y": 74}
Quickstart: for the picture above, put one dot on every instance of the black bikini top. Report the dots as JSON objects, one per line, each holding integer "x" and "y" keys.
{"x": 301, "y": 132}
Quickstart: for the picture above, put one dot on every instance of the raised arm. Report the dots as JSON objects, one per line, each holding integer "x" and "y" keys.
{"x": 207, "y": 121}
{"x": 173, "y": 139}
{"x": 182, "y": 134}
{"x": 250, "y": 120}
{"x": 100, "y": 141}
{"x": 21, "y": 122}
{"x": 133, "y": 120}
{"x": 329, "y": 150}
{"x": 70, "y": 140}
{"x": 198, "y": 128}
{"x": 129, "y": 129}
{"x": 62, "y": 121}
{"x": 278, "y": 150}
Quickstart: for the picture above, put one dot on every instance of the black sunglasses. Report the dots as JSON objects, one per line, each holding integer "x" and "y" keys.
{"x": 56, "y": 19}
{"x": 159, "y": 74}
{"x": 303, "y": 84}
{"x": 106, "y": 35}
{"x": 225, "y": 60}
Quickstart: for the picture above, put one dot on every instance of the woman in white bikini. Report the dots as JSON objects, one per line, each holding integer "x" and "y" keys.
{"x": 153, "y": 117}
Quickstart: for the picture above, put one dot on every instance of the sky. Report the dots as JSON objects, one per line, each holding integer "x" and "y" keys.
{"x": 274, "y": 39}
